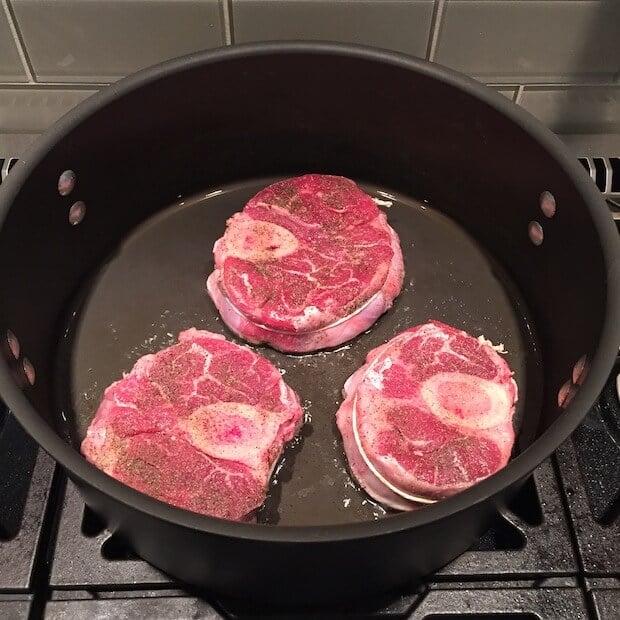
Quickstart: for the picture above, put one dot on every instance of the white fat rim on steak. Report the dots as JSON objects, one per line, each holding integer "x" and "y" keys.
{"x": 358, "y": 441}
{"x": 369, "y": 463}
{"x": 374, "y": 470}
{"x": 414, "y": 498}
{"x": 311, "y": 331}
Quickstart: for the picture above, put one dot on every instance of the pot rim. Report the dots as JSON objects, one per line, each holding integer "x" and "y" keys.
{"x": 516, "y": 470}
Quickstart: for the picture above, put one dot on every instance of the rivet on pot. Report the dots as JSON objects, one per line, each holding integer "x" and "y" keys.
{"x": 566, "y": 394}
{"x": 66, "y": 182}
{"x": 547, "y": 204}
{"x": 535, "y": 231}
{"x": 580, "y": 370}
{"x": 77, "y": 213}
{"x": 28, "y": 370}
{"x": 13, "y": 343}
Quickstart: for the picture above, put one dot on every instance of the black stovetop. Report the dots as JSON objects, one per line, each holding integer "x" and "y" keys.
{"x": 554, "y": 553}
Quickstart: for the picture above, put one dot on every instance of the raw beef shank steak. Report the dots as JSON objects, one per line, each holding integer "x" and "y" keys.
{"x": 428, "y": 415}
{"x": 309, "y": 263}
{"x": 199, "y": 425}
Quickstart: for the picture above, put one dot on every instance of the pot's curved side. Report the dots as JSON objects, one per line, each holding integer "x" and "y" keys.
{"x": 296, "y": 574}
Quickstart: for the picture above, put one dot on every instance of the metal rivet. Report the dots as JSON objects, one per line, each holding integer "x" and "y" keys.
{"x": 566, "y": 394}
{"x": 547, "y": 204}
{"x": 580, "y": 370}
{"x": 77, "y": 212}
{"x": 66, "y": 182}
{"x": 535, "y": 231}
{"x": 28, "y": 370}
{"x": 13, "y": 343}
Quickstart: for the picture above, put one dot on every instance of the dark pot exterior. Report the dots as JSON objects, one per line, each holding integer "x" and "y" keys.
{"x": 251, "y": 111}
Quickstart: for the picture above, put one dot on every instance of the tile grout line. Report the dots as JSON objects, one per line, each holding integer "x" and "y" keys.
{"x": 18, "y": 42}
{"x": 54, "y": 85}
{"x": 436, "y": 20}
{"x": 495, "y": 84}
{"x": 226, "y": 11}
{"x": 519, "y": 94}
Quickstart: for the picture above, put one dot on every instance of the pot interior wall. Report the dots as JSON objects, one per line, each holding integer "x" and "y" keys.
{"x": 247, "y": 117}
{"x": 153, "y": 287}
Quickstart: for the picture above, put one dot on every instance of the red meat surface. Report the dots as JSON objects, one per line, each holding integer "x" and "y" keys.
{"x": 309, "y": 263}
{"x": 199, "y": 425}
{"x": 429, "y": 414}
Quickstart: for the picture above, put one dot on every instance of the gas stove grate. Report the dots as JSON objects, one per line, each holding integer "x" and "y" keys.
{"x": 6, "y": 164}
{"x": 604, "y": 171}
{"x": 604, "y": 598}
{"x": 590, "y": 471}
{"x": 24, "y": 488}
{"x": 551, "y": 603}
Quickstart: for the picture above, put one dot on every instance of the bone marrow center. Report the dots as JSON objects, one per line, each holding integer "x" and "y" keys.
{"x": 232, "y": 431}
{"x": 258, "y": 241}
{"x": 465, "y": 400}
